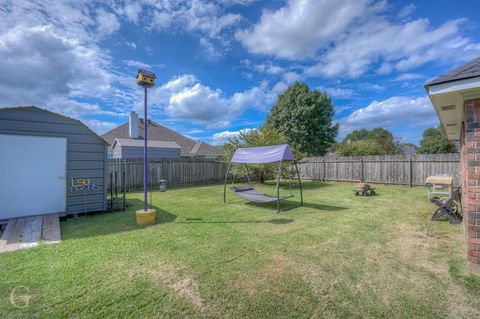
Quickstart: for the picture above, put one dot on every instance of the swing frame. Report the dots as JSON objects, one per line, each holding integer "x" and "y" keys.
{"x": 253, "y": 195}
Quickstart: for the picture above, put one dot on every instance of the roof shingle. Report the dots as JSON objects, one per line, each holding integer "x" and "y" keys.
{"x": 139, "y": 143}
{"x": 466, "y": 71}
{"x": 157, "y": 132}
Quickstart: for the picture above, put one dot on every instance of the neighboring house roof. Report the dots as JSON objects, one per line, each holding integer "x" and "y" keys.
{"x": 139, "y": 143}
{"x": 39, "y": 109}
{"x": 466, "y": 71}
{"x": 157, "y": 132}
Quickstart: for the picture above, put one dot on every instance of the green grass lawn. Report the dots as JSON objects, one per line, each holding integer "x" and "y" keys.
{"x": 338, "y": 256}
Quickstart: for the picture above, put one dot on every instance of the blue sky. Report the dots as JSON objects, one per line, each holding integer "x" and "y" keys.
{"x": 221, "y": 64}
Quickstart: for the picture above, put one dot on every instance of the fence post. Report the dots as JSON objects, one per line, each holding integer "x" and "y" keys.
{"x": 324, "y": 170}
{"x": 362, "y": 174}
{"x": 410, "y": 173}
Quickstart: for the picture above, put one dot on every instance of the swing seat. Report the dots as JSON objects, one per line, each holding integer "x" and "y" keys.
{"x": 252, "y": 195}
{"x": 261, "y": 155}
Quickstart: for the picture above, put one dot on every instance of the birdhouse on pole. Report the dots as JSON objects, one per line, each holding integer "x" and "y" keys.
{"x": 145, "y": 216}
{"x": 145, "y": 78}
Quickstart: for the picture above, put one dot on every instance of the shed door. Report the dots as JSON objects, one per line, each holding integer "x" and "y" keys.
{"x": 32, "y": 175}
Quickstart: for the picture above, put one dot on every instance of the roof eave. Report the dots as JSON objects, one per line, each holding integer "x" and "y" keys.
{"x": 448, "y": 97}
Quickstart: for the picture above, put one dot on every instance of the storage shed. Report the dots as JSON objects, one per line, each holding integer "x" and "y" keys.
{"x": 49, "y": 163}
{"x": 133, "y": 148}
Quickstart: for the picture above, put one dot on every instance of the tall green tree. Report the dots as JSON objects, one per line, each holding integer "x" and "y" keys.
{"x": 304, "y": 117}
{"x": 435, "y": 141}
{"x": 362, "y": 142}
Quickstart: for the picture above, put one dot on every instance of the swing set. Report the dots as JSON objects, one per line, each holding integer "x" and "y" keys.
{"x": 280, "y": 154}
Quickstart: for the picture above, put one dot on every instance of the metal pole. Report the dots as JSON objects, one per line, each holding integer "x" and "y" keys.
{"x": 300, "y": 183}
{"x": 278, "y": 184}
{"x": 145, "y": 160}
{"x": 248, "y": 174}
{"x": 123, "y": 186}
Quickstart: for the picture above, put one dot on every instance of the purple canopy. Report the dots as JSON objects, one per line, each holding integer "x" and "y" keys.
{"x": 263, "y": 154}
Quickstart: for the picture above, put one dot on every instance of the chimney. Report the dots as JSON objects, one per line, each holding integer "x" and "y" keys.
{"x": 133, "y": 125}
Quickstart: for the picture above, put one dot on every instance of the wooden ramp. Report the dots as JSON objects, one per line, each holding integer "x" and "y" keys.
{"x": 26, "y": 232}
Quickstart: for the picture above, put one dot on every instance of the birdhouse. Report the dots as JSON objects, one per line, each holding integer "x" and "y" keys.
{"x": 145, "y": 78}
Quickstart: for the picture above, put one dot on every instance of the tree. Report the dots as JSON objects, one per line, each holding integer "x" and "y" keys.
{"x": 362, "y": 142}
{"x": 304, "y": 118}
{"x": 358, "y": 148}
{"x": 435, "y": 141}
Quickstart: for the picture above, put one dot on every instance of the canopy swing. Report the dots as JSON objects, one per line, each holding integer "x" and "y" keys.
{"x": 262, "y": 155}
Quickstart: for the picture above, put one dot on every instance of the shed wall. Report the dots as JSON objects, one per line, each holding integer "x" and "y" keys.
{"x": 86, "y": 152}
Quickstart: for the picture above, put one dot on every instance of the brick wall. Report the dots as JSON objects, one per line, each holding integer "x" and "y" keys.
{"x": 470, "y": 175}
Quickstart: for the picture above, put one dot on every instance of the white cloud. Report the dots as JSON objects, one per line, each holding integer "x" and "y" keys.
{"x": 137, "y": 64}
{"x": 225, "y": 136}
{"x": 194, "y": 131}
{"x": 396, "y": 111}
{"x": 100, "y": 127}
{"x": 408, "y": 77}
{"x": 337, "y": 92}
{"x": 398, "y": 46}
{"x": 266, "y": 68}
{"x": 301, "y": 27}
{"x": 75, "y": 19}
{"x": 107, "y": 22}
{"x": 131, "y": 44}
{"x": 200, "y": 103}
{"x": 185, "y": 98}
{"x": 132, "y": 11}
{"x": 208, "y": 21}
{"x": 350, "y": 38}
{"x": 71, "y": 107}
{"x": 406, "y": 11}
{"x": 50, "y": 57}
{"x": 39, "y": 65}
{"x": 180, "y": 82}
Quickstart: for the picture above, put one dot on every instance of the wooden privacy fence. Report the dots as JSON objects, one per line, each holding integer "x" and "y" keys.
{"x": 385, "y": 169}
{"x": 177, "y": 172}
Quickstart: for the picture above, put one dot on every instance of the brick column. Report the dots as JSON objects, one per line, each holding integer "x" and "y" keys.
{"x": 470, "y": 176}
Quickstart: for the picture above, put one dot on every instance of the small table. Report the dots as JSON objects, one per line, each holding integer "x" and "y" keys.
{"x": 440, "y": 184}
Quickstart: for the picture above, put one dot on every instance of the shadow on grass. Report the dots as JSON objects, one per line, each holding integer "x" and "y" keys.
{"x": 306, "y": 185}
{"x": 163, "y": 216}
{"x": 111, "y": 222}
{"x": 276, "y": 221}
{"x": 289, "y": 205}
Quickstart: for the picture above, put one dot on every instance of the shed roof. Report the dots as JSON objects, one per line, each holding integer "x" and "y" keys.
{"x": 139, "y": 143}
{"x": 39, "y": 109}
{"x": 466, "y": 71}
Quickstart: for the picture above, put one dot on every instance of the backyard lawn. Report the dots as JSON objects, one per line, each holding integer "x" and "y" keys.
{"x": 338, "y": 256}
